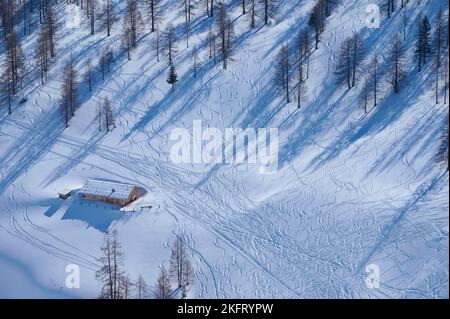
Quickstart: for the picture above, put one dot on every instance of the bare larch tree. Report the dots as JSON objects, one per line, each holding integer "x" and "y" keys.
{"x": 170, "y": 46}
{"x": 163, "y": 289}
{"x": 111, "y": 274}
{"x": 180, "y": 265}
{"x": 70, "y": 91}
{"x": 282, "y": 72}
{"x": 225, "y": 35}
{"x": 396, "y": 63}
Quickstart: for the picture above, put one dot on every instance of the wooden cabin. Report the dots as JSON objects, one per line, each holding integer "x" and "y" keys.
{"x": 109, "y": 192}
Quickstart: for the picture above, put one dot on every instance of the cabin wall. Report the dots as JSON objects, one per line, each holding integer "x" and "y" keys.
{"x": 134, "y": 194}
{"x": 115, "y": 201}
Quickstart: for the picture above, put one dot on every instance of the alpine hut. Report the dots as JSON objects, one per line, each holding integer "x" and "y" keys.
{"x": 109, "y": 192}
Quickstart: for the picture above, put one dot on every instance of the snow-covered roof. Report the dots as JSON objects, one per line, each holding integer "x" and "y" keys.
{"x": 106, "y": 189}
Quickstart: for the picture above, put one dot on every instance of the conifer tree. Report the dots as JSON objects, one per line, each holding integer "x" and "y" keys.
{"x": 172, "y": 77}
{"x": 423, "y": 48}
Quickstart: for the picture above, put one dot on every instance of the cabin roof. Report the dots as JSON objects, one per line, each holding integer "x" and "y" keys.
{"x": 106, "y": 189}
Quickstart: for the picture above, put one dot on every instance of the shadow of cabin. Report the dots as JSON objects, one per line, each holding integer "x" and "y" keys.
{"x": 110, "y": 192}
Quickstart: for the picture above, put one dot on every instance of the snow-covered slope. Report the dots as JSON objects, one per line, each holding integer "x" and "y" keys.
{"x": 352, "y": 189}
